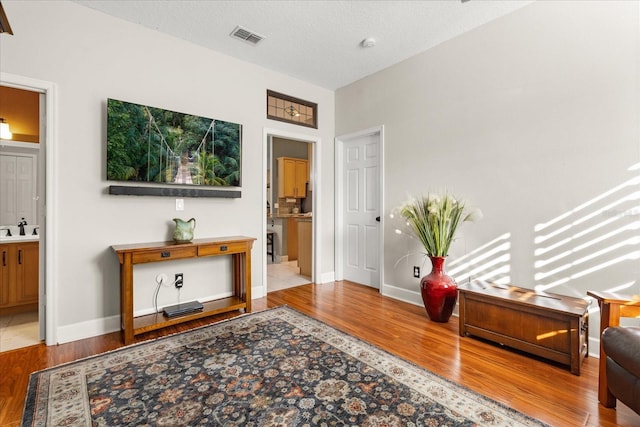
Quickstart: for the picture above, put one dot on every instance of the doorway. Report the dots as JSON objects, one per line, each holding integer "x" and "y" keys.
{"x": 41, "y": 310}
{"x": 20, "y": 213}
{"x": 291, "y": 223}
{"x": 359, "y": 207}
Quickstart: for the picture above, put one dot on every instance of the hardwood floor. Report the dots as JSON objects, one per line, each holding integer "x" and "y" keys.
{"x": 538, "y": 388}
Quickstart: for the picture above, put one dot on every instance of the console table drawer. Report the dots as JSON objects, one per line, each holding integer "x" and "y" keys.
{"x": 222, "y": 248}
{"x": 165, "y": 254}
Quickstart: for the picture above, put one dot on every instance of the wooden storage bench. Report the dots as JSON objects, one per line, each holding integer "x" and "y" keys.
{"x": 548, "y": 325}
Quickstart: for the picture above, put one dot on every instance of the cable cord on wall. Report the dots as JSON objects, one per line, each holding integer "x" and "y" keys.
{"x": 157, "y": 291}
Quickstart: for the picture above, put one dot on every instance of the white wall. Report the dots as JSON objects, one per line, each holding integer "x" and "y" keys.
{"x": 90, "y": 57}
{"x": 535, "y": 119}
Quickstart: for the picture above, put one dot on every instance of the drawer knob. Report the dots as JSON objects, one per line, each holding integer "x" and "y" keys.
{"x": 223, "y": 248}
{"x": 165, "y": 254}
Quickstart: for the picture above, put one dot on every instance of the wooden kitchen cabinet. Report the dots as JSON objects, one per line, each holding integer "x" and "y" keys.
{"x": 305, "y": 252}
{"x": 292, "y": 239}
{"x": 19, "y": 276}
{"x": 293, "y": 177}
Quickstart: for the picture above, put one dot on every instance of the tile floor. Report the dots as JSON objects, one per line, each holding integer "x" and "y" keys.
{"x": 19, "y": 330}
{"x": 284, "y": 275}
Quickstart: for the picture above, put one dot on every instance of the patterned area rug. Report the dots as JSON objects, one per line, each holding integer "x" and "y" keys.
{"x": 271, "y": 368}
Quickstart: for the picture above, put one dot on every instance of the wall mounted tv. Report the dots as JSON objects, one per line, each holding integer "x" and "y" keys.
{"x": 151, "y": 145}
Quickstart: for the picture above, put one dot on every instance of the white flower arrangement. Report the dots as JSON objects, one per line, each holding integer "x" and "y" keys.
{"x": 434, "y": 220}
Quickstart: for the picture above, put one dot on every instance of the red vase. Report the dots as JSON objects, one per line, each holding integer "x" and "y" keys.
{"x": 439, "y": 292}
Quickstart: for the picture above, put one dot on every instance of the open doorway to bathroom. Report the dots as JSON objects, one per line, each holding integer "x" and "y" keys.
{"x": 22, "y": 187}
{"x": 289, "y": 213}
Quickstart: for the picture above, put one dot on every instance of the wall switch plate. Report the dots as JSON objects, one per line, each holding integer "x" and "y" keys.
{"x": 179, "y": 204}
{"x": 416, "y": 271}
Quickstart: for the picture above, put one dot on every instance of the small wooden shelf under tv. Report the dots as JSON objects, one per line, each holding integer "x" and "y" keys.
{"x": 238, "y": 247}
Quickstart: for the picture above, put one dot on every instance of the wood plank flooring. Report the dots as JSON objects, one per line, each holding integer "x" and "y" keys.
{"x": 538, "y": 388}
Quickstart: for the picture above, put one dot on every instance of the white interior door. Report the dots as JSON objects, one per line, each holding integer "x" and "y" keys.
{"x": 26, "y": 191}
{"x": 361, "y": 209}
{"x": 8, "y": 185}
{"x": 17, "y": 188}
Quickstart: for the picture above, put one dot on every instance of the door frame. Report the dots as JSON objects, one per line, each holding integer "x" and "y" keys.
{"x": 339, "y": 195}
{"x": 315, "y": 177}
{"x": 48, "y": 268}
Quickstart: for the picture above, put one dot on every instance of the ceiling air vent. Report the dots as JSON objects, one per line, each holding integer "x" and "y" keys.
{"x": 246, "y": 35}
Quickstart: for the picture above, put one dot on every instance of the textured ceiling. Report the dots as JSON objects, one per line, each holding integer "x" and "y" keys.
{"x": 315, "y": 41}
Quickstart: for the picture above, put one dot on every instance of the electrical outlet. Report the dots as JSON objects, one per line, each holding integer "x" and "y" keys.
{"x": 179, "y": 280}
{"x": 179, "y": 204}
{"x": 416, "y": 271}
{"x": 162, "y": 278}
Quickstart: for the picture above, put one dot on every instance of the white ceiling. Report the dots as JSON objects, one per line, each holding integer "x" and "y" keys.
{"x": 315, "y": 41}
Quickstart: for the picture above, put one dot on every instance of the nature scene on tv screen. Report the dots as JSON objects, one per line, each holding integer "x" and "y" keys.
{"x": 147, "y": 144}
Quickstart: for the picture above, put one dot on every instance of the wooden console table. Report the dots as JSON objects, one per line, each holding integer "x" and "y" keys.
{"x": 548, "y": 325}
{"x": 613, "y": 306}
{"x": 239, "y": 247}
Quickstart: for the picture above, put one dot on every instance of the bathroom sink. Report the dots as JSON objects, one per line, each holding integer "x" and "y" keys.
{"x": 15, "y": 233}
{"x": 27, "y": 238}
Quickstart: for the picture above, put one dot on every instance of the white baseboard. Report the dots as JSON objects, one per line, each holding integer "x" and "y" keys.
{"x": 88, "y": 329}
{"x": 258, "y": 292}
{"x": 92, "y": 328}
{"x": 594, "y": 347}
{"x": 412, "y": 297}
{"x": 326, "y": 278}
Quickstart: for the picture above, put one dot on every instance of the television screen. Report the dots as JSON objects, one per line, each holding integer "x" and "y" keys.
{"x": 148, "y": 144}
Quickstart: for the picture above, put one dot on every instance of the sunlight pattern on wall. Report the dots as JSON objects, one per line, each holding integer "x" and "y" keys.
{"x": 592, "y": 244}
{"x": 490, "y": 262}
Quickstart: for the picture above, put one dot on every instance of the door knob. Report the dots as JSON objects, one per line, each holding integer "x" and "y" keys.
{"x": 378, "y": 218}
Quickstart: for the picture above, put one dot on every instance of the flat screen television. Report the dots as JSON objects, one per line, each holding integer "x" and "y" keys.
{"x": 151, "y": 145}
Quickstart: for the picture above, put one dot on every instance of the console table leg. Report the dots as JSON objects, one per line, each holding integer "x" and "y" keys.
{"x": 242, "y": 278}
{"x": 126, "y": 296}
{"x": 247, "y": 279}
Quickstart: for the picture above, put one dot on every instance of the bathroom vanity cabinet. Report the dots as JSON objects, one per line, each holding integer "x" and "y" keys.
{"x": 293, "y": 176}
{"x": 19, "y": 275}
